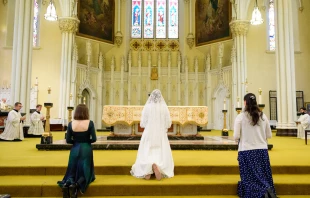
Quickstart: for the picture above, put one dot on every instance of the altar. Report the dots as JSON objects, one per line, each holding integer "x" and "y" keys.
{"x": 125, "y": 119}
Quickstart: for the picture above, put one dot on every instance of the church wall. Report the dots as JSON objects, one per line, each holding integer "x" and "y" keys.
{"x": 262, "y": 64}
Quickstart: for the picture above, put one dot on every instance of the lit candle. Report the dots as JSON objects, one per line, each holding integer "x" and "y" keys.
{"x": 260, "y": 96}
{"x": 238, "y": 102}
{"x": 49, "y": 94}
{"x": 224, "y": 104}
{"x": 71, "y": 101}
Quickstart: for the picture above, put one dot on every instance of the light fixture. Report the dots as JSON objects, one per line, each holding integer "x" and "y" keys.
{"x": 256, "y": 16}
{"x": 51, "y": 14}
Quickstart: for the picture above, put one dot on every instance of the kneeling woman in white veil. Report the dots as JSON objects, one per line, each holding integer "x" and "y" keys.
{"x": 154, "y": 153}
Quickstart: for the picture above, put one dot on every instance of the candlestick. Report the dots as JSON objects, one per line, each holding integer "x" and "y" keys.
{"x": 260, "y": 96}
{"x": 224, "y": 108}
{"x": 224, "y": 130}
{"x": 71, "y": 101}
{"x": 238, "y": 102}
{"x": 47, "y": 137}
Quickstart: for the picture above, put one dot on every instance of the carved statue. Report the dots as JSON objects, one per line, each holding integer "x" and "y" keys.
{"x": 154, "y": 74}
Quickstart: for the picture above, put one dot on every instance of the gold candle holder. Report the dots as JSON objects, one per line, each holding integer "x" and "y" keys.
{"x": 261, "y": 107}
{"x": 70, "y": 109}
{"x": 238, "y": 109}
{"x": 178, "y": 130}
{"x": 47, "y": 137}
{"x": 224, "y": 130}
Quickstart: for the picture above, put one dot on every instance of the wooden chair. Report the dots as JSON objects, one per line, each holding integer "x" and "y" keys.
{"x": 306, "y": 133}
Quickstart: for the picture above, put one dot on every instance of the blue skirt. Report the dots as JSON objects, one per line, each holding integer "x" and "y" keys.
{"x": 255, "y": 173}
{"x": 80, "y": 167}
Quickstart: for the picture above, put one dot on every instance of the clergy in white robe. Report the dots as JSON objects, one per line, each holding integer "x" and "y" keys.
{"x": 36, "y": 127}
{"x": 14, "y": 126}
{"x": 3, "y": 105}
{"x": 303, "y": 123}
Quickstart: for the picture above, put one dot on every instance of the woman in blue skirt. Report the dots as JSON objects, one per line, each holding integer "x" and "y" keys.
{"x": 80, "y": 172}
{"x": 252, "y": 130}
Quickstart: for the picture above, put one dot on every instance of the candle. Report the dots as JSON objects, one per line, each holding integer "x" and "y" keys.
{"x": 260, "y": 96}
{"x": 71, "y": 101}
{"x": 36, "y": 81}
{"x": 49, "y": 94}
{"x": 238, "y": 102}
{"x": 224, "y": 104}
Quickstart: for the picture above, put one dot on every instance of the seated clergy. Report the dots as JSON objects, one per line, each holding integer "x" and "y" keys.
{"x": 14, "y": 126}
{"x": 36, "y": 127}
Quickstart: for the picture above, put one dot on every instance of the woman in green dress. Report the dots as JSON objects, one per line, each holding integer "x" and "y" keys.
{"x": 80, "y": 172}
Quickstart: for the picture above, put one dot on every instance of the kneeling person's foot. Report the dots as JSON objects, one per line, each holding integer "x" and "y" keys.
{"x": 157, "y": 172}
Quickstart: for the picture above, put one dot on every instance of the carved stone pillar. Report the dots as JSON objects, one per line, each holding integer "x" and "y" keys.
{"x": 239, "y": 29}
{"x": 285, "y": 64}
{"x": 68, "y": 27}
{"x": 22, "y": 55}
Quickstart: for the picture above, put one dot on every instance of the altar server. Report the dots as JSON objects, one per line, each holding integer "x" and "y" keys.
{"x": 14, "y": 125}
{"x": 154, "y": 153}
{"x": 303, "y": 123}
{"x": 36, "y": 127}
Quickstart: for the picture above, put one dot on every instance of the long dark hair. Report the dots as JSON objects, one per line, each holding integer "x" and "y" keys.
{"x": 252, "y": 108}
{"x": 81, "y": 112}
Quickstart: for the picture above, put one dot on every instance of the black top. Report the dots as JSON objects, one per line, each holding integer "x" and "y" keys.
{"x": 88, "y": 136}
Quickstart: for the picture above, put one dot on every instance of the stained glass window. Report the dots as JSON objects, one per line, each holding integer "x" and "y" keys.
{"x": 173, "y": 19}
{"x": 161, "y": 19}
{"x": 271, "y": 30}
{"x": 36, "y": 23}
{"x": 154, "y": 18}
{"x": 136, "y": 19}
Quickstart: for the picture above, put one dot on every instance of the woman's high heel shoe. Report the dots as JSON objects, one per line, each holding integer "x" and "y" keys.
{"x": 73, "y": 191}
{"x": 65, "y": 192}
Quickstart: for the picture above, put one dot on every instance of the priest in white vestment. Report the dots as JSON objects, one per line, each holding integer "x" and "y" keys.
{"x": 154, "y": 153}
{"x": 14, "y": 126}
{"x": 36, "y": 127}
{"x": 303, "y": 123}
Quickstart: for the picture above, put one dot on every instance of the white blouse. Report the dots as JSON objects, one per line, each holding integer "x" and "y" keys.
{"x": 251, "y": 137}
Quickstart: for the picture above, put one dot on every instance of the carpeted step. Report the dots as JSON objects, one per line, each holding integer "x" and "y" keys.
{"x": 124, "y": 170}
{"x": 206, "y": 196}
{"x": 116, "y": 185}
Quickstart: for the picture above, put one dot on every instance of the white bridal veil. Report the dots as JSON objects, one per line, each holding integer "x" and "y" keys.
{"x": 155, "y": 118}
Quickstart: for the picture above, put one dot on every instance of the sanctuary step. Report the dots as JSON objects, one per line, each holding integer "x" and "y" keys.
{"x": 208, "y": 143}
{"x": 126, "y": 185}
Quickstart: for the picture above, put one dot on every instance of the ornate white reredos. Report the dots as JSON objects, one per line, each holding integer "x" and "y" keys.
{"x": 239, "y": 27}
{"x": 68, "y": 24}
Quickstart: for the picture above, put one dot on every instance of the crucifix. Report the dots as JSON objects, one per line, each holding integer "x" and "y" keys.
{"x": 246, "y": 83}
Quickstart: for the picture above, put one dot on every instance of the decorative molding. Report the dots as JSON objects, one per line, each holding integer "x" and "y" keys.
{"x": 154, "y": 44}
{"x": 118, "y": 38}
{"x": 69, "y": 24}
{"x": 239, "y": 27}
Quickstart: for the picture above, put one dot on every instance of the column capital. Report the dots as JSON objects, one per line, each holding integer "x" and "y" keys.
{"x": 68, "y": 24}
{"x": 239, "y": 27}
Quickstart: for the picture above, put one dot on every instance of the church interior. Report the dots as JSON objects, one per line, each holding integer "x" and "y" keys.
{"x": 204, "y": 56}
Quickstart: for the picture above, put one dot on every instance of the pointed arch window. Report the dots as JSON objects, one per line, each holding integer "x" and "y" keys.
{"x": 271, "y": 26}
{"x": 154, "y": 19}
{"x": 36, "y": 22}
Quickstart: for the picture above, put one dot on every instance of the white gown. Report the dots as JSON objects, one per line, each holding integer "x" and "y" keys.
{"x": 36, "y": 127}
{"x": 13, "y": 128}
{"x": 154, "y": 146}
{"x": 304, "y": 123}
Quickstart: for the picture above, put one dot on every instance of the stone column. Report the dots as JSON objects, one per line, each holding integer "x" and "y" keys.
{"x": 285, "y": 64}
{"x": 239, "y": 29}
{"x": 68, "y": 27}
{"x": 22, "y": 54}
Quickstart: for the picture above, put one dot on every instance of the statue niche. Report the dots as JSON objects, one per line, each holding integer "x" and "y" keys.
{"x": 154, "y": 74}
